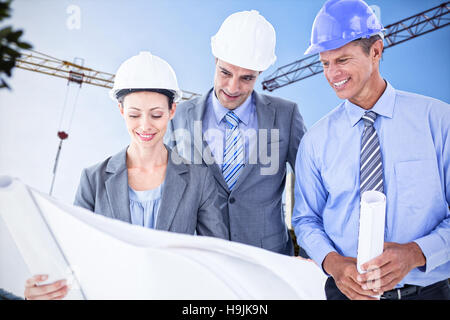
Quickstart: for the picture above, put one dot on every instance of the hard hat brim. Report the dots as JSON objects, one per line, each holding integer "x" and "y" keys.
{"x": 337, "y": 43}
{"x": 326, "y": 46}
{"x": 178, "y": 94}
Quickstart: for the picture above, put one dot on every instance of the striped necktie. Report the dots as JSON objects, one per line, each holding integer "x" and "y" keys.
{"x": 233, "y": 155}
{"x": 371, "y": 166}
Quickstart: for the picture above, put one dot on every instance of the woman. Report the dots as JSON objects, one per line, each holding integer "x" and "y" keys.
{"x": 142, "y": 184}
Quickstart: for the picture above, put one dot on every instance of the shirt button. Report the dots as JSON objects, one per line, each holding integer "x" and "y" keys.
{"x": 232, "y": 200}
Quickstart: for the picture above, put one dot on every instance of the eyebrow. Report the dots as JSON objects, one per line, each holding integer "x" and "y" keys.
{"x": 243, "y": 76}
{"x": 340, "y": 57}
{"x": 135, "y": 108}
{"x": 223, "y": 69}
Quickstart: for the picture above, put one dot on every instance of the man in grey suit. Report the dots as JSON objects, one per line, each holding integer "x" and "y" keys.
{"x": 244, "y": 137}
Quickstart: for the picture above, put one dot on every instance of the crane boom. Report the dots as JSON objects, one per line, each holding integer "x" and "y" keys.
{"x": 42, "y": 63}
{"x": 395, "y": 33}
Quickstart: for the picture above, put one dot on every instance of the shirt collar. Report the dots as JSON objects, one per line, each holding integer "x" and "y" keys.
{"x": 383, "y": 107}
{"x": 243, "y": 112}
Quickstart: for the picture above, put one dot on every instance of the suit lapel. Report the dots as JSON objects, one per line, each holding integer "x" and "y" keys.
{"x": 117, "y": 187}
{"x": 174, "y": 186}
{"x": 196, "y": 113}
{"x": 265, "y": 115}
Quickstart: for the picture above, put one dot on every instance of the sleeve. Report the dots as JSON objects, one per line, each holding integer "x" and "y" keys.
{"x": 85, "y": 197}
{"x": 446, "y": 155}
{"x": 5, "y": 295}
{"x": 297, "y": 131}
{"x": 310, "y": 199}
{"x": 210, "y": 220}
{"x": 436, "y": 245}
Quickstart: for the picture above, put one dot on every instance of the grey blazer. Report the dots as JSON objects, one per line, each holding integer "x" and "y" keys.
{"x": 253, "y": 209}
{"x": 188, "y": 201}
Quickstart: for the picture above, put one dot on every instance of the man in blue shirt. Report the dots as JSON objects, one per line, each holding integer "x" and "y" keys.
{"x": 380, "y": 139}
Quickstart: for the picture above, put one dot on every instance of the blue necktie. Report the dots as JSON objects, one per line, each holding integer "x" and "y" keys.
{"x": 233, "y": 154}
{"x": 371, "y": 166}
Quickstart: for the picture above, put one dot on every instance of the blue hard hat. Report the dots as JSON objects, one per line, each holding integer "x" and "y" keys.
{"x": 340, "y": 22}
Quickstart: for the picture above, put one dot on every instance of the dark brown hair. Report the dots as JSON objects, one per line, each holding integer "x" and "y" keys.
{"x": 124, "y": 92}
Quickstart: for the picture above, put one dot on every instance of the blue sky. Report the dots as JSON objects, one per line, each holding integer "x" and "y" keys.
{"x": 179, "y": 32}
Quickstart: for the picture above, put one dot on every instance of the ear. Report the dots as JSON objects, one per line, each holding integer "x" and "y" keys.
{"x": 120, "y": 108}
{"x": 377, "y": 50}
{"x": 172, "y": 111}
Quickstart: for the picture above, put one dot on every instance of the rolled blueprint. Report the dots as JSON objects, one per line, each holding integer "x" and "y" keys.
{"x": 371, "y": 227}
{"x": 111, "y": 259}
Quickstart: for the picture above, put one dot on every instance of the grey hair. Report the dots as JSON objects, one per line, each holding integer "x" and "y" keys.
{"x": 366, "y": 43}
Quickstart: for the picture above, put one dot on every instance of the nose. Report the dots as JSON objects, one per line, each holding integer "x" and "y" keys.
{"x": 146, "y": 123}
{"x": 233, "y": 85}
{"x": 333, "y": 71}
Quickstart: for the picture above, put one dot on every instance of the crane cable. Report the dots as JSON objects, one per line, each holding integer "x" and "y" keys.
{"x": 63, "y": 135}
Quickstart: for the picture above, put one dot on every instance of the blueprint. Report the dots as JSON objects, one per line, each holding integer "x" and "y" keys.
{"x": 105, "y": 258}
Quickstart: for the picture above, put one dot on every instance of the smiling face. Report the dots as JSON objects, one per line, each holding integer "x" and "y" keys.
{"x": 146, "y": 116}
{"x": 233, "y": 84}
{"x": 352, "y": 73}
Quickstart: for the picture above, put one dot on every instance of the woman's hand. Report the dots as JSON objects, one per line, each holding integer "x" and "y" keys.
{"x": 53, "y": 291}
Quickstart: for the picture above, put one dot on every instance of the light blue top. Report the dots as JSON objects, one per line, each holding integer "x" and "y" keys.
{"x": 214, "y": 125}
{"x": 144, "y": 206}
{"x": 414, "y": 133}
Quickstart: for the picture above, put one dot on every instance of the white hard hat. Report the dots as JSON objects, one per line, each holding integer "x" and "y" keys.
{"x": 145, "y": 71}
{"x": 247, "y": 40}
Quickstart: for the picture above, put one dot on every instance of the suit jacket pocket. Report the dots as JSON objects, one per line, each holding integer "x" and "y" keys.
{"x": 275, "y": 241}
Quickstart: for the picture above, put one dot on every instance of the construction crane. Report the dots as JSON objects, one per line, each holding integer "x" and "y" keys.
{"x": 395, "y": 33}
{"x": 43, "y": 63}
{"x": 74, "y": 72}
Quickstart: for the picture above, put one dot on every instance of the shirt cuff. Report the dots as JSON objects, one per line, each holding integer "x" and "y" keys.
{"x": 435, "y": 254}
{"x": 318, "y": 252}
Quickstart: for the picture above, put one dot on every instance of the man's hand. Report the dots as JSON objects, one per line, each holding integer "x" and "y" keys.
{"x": 389, "y": 268}
{"x": 53, "y": 291}
{"x": 301, "y": 258}
{"x": 344, "y": 272}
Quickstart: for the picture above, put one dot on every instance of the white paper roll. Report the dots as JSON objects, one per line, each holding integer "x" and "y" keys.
{"x": 112, "y": 259}
{"x": 371, "y": 227}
